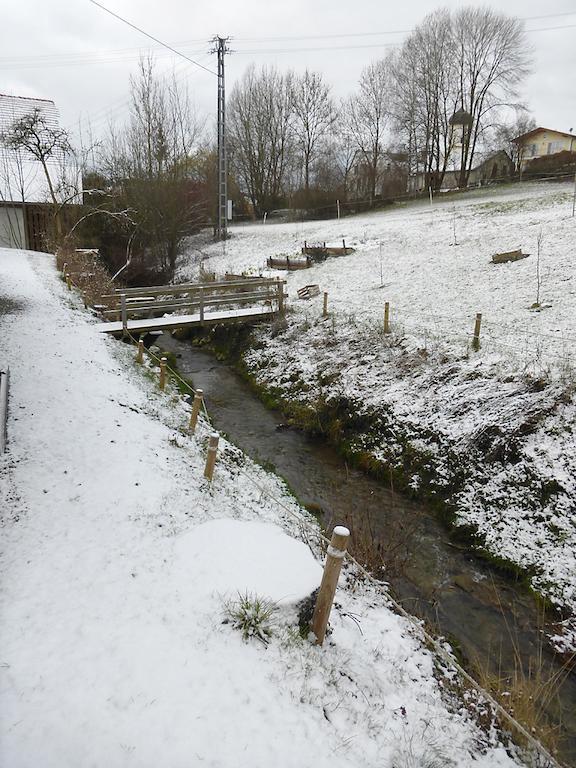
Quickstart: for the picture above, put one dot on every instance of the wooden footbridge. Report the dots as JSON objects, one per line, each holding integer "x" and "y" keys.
{"x": 167, "y": 307}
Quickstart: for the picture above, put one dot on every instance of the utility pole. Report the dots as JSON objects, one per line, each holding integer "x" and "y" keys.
{"x": 221, "y": 233}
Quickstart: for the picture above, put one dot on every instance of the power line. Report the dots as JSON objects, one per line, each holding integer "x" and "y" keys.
{"x": 382, "y": 33}
{"x": 130, "y": 53}
{"x": 42, "y": 62}
{"x": 156, "y": 40}
{"x": 344, "y": 47}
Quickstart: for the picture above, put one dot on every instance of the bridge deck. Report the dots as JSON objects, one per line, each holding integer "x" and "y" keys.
{"x": 180, "y": 321}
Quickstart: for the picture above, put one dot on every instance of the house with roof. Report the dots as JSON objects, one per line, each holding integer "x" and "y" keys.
{"x": 488, "y": 166}
{"x": 26, "y": 208}
{"x": 541, "y": 142}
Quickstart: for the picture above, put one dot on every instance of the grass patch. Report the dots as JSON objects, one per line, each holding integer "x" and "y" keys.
{"x": 251, "y": 615}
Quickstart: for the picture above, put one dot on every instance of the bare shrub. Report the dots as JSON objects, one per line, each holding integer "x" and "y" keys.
{"x": 86, "y": 273}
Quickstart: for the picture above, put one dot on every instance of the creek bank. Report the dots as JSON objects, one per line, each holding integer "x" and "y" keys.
{"x": 462, "y": 597}
{"x": 329, "y": 383}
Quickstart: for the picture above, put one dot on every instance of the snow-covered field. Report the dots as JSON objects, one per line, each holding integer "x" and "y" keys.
{"x": 490, "y": 431}
{"x": 406, "y": 255}
{"x": 116, "y": 557}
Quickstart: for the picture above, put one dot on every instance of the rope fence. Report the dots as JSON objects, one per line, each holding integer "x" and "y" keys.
{"x": 341, "y": 208}
{"x": 527, "y": 345}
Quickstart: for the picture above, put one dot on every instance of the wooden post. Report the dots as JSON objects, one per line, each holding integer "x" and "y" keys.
{"x": 64, "y": 268}
{"x": 124, "y": 314}
{"x": 85, "y": 299}
{"x": 280, "y": 297}
{"x": 211, "y": 458}
{"x": 68, "y": 281}
{"x": 334, "y": 558}
{"x": 162, "y": 372}
{"x": 476, "y": 338}
{"x": 387, "y": 317}
{"x": 201, "y": 305}
{"x": 343, "y": 243}
{"x": 325, "y": 308}
{"x": 196, "y": 405}
{"x": 140, "y": 353}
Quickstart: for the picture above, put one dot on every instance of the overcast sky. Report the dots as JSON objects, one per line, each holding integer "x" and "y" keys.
{"x": 81, "y": 57}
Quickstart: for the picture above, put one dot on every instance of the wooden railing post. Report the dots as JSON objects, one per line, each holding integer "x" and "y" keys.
{"x": 196, "y": 405}
{"x": 201, "y": 305}
{"x": 124, "y": 314}
{"x": 387, "y": 317}
{"x": 334, "y": 557}
{"x": 162, "y": 372}
{"x": 211, "y": 458}
{"x": 140, "y": 353}
{"x": 325, "y": 307}
{"x": 280, "y": 297}
{"x": 476, "y": 337}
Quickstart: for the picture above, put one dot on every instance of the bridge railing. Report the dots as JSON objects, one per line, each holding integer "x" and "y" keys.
{"x": 186, "y": 298}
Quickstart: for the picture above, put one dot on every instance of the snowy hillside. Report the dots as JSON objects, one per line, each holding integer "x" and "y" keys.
{"x": 433, "y": 264}
{"x": 118, "y": 559}
{"x": 490, "y": 433}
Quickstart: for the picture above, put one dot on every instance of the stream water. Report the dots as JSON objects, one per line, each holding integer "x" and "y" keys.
{"x": 492, "y": 621}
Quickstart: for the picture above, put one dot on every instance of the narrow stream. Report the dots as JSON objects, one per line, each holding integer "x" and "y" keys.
{"x": 489, "y": 619}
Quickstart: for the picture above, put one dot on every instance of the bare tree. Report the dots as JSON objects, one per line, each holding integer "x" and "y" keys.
{"x": 260, "y": 136}
{"x": 367, "y": 114}
{"x": 314, "y": 117}
{"x": 34, "y": 136}
{"x": 425, "y": 95}
{"x": 539, "y": 241}
{"x": 493, "y": 57}
{"x": 148, "y": 164}
{"x": 506, "y": 133}
{"x": 471, "y": 60}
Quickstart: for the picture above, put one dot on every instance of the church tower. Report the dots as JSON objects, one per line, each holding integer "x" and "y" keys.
{"x": 460, "y": 125}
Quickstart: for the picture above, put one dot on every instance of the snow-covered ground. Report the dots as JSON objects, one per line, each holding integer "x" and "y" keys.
{"x": 117, "y": 556}
{"x": 406, "y": 255}
{"x": 492, "y": 430}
